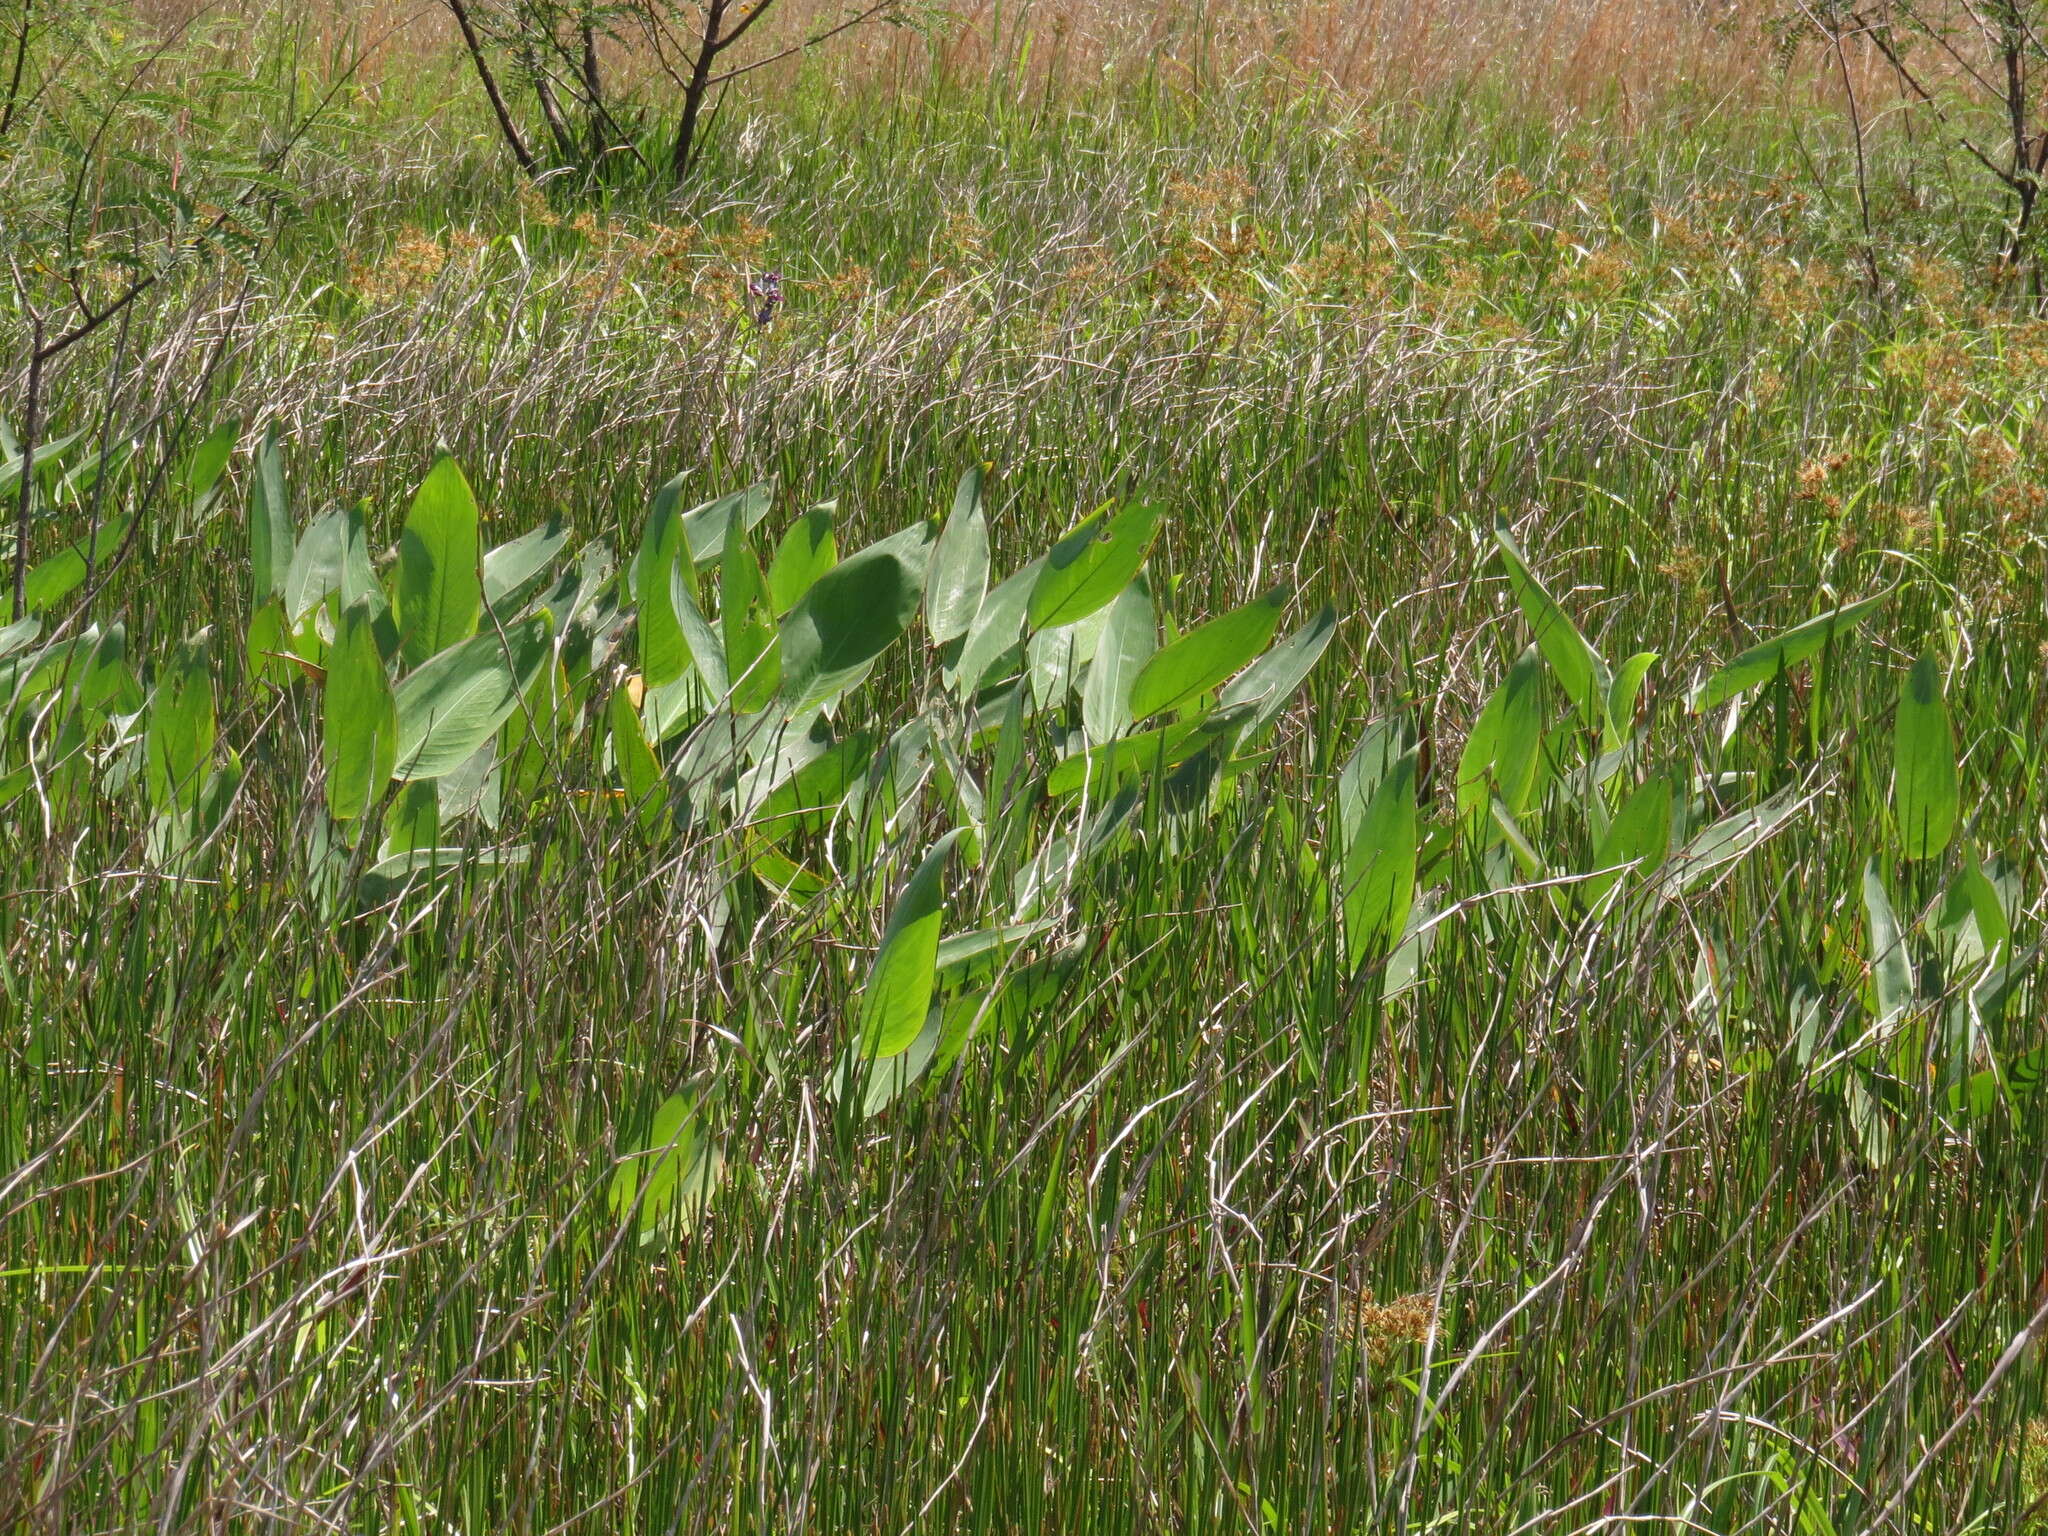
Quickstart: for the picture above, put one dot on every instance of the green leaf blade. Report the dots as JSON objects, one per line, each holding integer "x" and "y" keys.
{"x": 853, "y": 613}
{"x": 1205, "y": 656}
{"x": 958, "y": 579}
{"x": 440, "y": 553}
{"x": 1126, "y": 643}
{"x": 1578, "y": 666}
{"x": 1764, "y": 661}
{"x": 899, "y": 986}
{"x": 1926, "y": 793}
{"x": 455, "y": 702}
{"x": 1379, "y": 863}
{"x": 270, "y": 522}
{"x": 1086, "y": 569}
{"x": 359, "y": 728}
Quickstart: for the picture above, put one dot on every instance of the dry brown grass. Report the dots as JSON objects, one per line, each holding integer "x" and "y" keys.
{"x": 1559, "y": 54}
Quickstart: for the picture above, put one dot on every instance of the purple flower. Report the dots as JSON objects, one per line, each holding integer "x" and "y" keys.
{"x": 766, "y": 290}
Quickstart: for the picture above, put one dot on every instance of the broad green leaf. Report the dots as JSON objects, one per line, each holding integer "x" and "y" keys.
{"x": 1519, "y": 847}
{"x": 1378, "y": 749}
{"x": 39, "y": 671}
{"x": 664, "y": 648}
{"x": 1994, "y": 989}
{"x": 662, "y": 537}
{"x": 997, "y": 623}
{"x": 638, "y": 769}
{"x": 1577, "y": 665}
{"x": 1268, "y": 683}
{"x": 704, "y": 647}
{"x": 413, "y": 823}
{"x": 807, "y": 797}
{"x": 1502, "y": 753}
{"x": 359, "y": 582}
{"x": 270, "y": 522}
{"x": 806, "y": 552}
{"x": 19, "y": 635}
{"x": 406, "y": 865}
{"x": 1418, "y": 938}
{"x": 179, "y": 741}
{"x": 1638, "y": 837}
{"x": 1006, "y": 770}
{"x": 587, "y": 595}
{"x": 1622, "y": 694}
{"x": 50, "y": 581}
{"x": 781, "y": 751}
{"x": 752, "y": 662}
{"x": 658, "y": 584}
{"x": 2017, "y": 1077}
{"x": 671, "y": 1176}
{"x": 48, "y": 457}
{"x": 440, "y": 586}
{"x": 455, "y": 702}
{"x": 359, "y": 736}
{"x": 1126, "y": 643}
{"x": 786, "y": 879}
{"x": 203, "y": 466}
{"x": 882, "y": 1083}
{"x": 1054, "y": 658}
{"x": 853, "y": 613}
{"x": 662, "y": 540}
{"x": 1925, "y": 793}
{"x": 898, "y": 993}
{"x": 1891, "y": 968}
{"x": 316, "y": 566}
{"x": 536, "y": 734}
{"x": 82, "y": 476}
{"x": 1868, "y": 1117}
{"x": 476, "y": 787}
{"x": 974, "y": 956}
{"x": 1725, "y": 841}
{"x": 1761, "y": 663}
{"x": 106, "y": 684}
{"x": 1093, "y": 563}
{"x": 1987, "y": 905}
{"x": 1954, "y": 922}
{"x": 958, "y": 579}
{"x": 1205, "y": 656}
{"x": 1379, "y": 864}
{"x": 1124, "y": 757}
{"x": 706, "y": 528}
{"x": 268, "y": 645}
{"x": 513, "y": 566}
